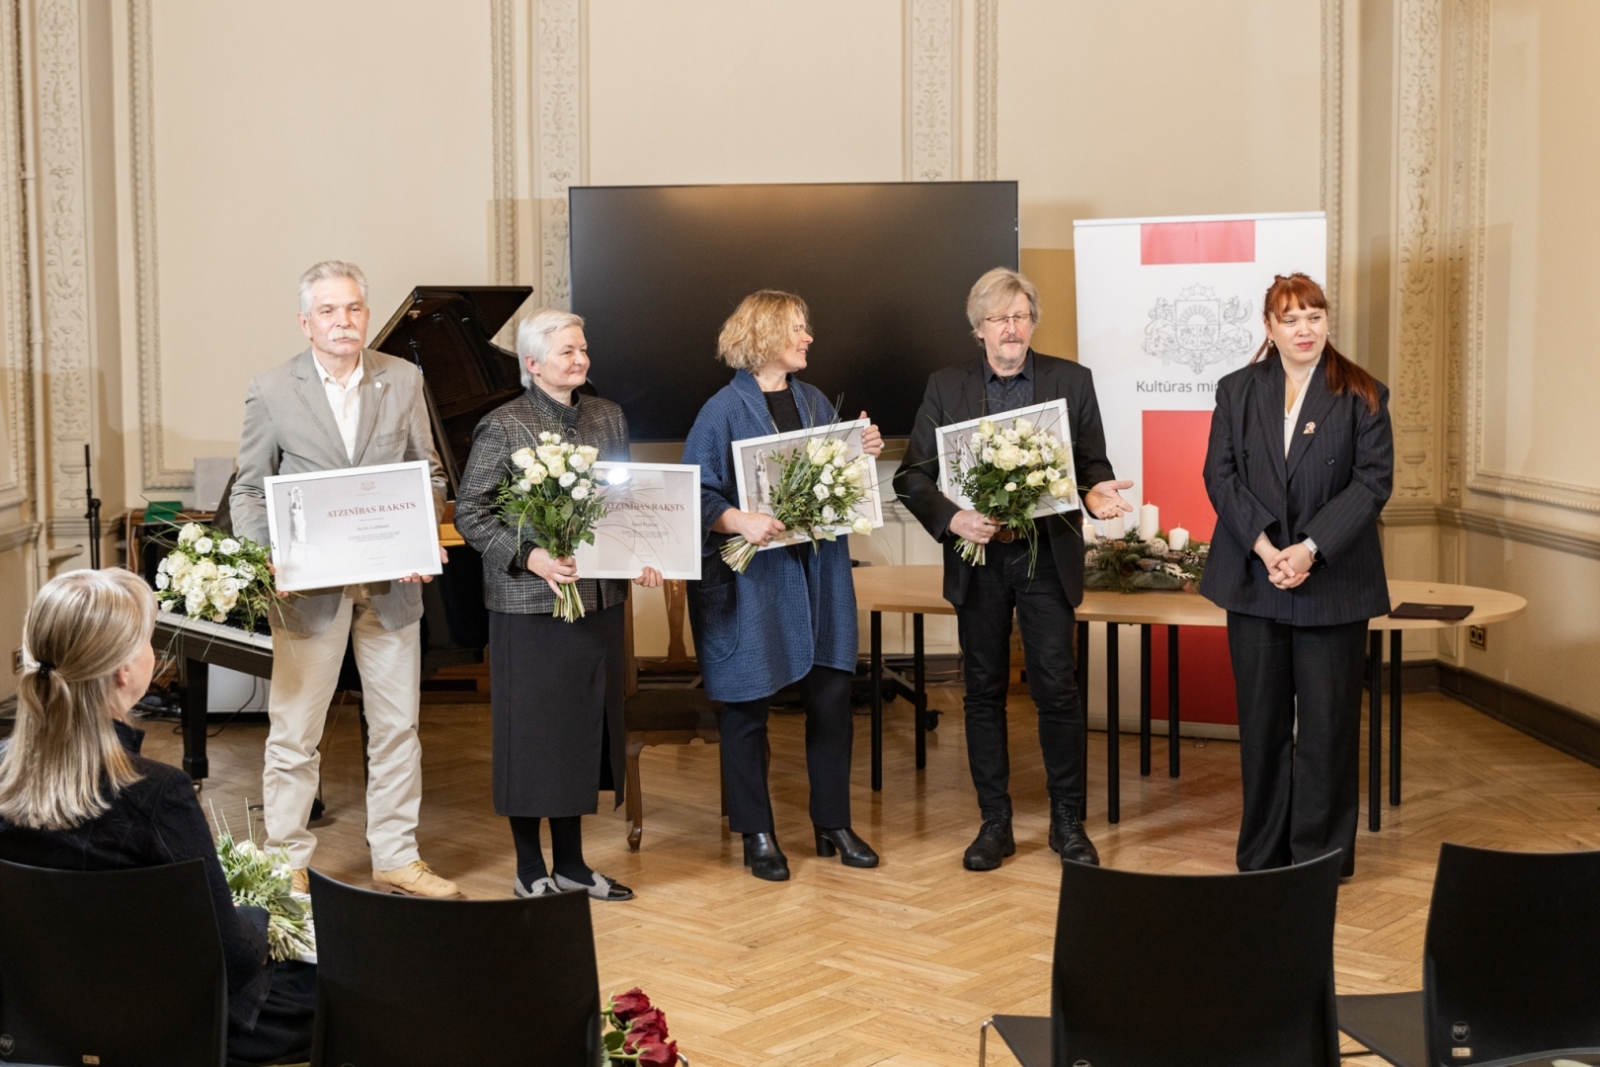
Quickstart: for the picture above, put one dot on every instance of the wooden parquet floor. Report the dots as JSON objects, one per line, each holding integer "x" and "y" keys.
{"x": 899, "y": 965}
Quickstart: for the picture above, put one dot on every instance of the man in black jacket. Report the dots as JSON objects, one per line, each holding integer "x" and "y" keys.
{"x": 1042, "y": 588}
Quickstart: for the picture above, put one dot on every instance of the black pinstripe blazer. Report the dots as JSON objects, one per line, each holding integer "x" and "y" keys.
{"x": 1330, "y": 488}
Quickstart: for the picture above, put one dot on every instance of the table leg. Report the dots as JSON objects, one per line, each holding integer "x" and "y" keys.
{"x": 1144, "y": 700}
{"x": 1113, "y": 727}
{"x": 877, "y": 700}
{"x": 1083, "y": 713}
{"x": 919, "y": 700}
{"x": 194, "y": 684}
{"x": 1375, "y": 732}
{"x": 1395, "y": 665}
{"x": 1173, "y": 747}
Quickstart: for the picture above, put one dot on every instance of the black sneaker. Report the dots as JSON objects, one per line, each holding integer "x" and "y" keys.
{"x": 993, "y": 843}
{"x": 1067, "y": 835}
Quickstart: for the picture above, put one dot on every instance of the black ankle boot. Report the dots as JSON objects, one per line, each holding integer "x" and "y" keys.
{"x": 1067, "y": 835}
{"x": 764, "y": 858}
{"x": 853, "y": 852}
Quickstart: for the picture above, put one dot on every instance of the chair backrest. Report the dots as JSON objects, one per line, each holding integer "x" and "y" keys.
{"x": 125, "y": 966}
{"x": 407, "y": 982}
{"x": 1202, "y": 970}
{"x": 1511, "y": 965}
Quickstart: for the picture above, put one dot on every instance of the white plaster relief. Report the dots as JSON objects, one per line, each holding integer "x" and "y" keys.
{"x": 502, "y": 53}
{"x": 1333, "y": 145}
{"x": 932, "y": 129}
{"x": 65, "y": 246}
{"x": 559, "y": 140}
{"x": 985, "y": 90}
{"x": 16, "y": 396}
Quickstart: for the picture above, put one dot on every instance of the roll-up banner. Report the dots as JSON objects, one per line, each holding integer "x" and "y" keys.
{"x": 1166, "y": 306}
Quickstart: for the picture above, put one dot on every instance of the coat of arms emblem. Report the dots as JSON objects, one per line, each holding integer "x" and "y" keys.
{"x": 1198, "y": 329}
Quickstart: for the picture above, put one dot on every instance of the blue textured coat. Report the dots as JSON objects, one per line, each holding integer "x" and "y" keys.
{"x": 756, "y": 632}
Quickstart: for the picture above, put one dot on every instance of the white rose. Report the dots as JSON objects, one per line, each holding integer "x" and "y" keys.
{"x": 228, "y": 547}
{"x": 986, "y": 429}
{"x": 821, "y": 491}
{"x": 828, "y": 514}
{"x": 977, "y": 440}
{"x": 193, "y": 602}
{"x": 567, "y": 479}
{"x": 987, "y": 455}
{"x": 1051, "y": 474}
{"x": 1023, "y": 427}
{"x": 555, "y": 466}
{"x": 524, "y": 486}
{"x": 826, "y": 477}
{"x": 589, "y": 453}
{"x": 247, "y": 572}
{"x": 206, "y": 570}
{"x": 579, "y": 492}
{"x": 1008, "y": 458}
{"x": 1061, "y": 489}
{"x": 841, "y": 490}
{"x": 203, "y": 546}
{"x": 226, "y": 571}
{"x": 549, "y": 438}
{"x": 1036, "y": 478}
{"x": 190, "y": 533}
{"x": 536, "y": 473}
{"x": 168, "y": 605}
{"x": 862, "y": 525}
{"x": 814, "y": 449}
{"x": 577, "y": 462}
{"x": 162, "y": 581}
{"x": 524, "y": 458}
{"x": 1011, "y": 487}
{"x": 161, "y": 568}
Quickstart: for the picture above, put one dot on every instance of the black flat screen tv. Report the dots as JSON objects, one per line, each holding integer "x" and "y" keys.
{"x": 884, "y": 267}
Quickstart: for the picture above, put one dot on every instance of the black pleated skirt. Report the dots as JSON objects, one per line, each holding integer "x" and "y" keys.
{"x": 556, "y": 693}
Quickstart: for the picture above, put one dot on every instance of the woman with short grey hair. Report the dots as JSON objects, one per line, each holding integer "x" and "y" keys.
{"x": 555, "y": 688}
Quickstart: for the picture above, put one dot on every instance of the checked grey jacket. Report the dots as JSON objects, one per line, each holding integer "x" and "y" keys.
{"x": 508, "y": 586}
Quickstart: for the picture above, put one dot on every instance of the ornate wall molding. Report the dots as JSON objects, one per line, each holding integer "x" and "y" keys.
{"x": 16, "y": 395}
{"x": 986, "y": 90}
{"x": 64, "y": 242}
{"x": 560, "y": 138}
{"x": 502, "y": 65}
{"x": 932, "y": 63}
{"x": 1468, "y": 128}
{"x": 1333, "y": 146}
{"x": 154, "y": 471}
{"x": 1416, "y": 299}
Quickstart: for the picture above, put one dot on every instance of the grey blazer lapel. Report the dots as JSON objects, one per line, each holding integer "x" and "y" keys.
{"x": 373, "y": 389}
{"x": 315, "y": 398}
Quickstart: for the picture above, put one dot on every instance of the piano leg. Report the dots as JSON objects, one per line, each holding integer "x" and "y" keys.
{"x": 194, "y": 686}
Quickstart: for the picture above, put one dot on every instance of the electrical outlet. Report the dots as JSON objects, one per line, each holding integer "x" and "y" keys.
{"x": 1478, "y": 637}
{"x": 16, "y": 661}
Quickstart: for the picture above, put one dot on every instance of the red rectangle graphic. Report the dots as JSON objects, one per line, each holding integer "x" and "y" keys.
{"x": 1197, "y": 242}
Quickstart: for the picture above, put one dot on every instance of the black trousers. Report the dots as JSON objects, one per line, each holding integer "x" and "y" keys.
{"x": 1299, "y": 691}
{"x": 994, "y": 590}
{"x": 830, "y": 734}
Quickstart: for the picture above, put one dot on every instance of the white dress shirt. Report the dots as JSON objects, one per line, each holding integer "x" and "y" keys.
{"x": 345, "y": 400}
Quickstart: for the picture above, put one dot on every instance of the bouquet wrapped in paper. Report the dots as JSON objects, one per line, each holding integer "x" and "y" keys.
{"x": 1009, "y": 470}
{"x": 211, "y": 575}
{"x": 551, "y": 499}
{"x": 815, "y": 495}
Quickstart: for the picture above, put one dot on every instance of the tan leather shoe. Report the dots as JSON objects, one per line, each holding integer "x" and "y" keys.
{"x": 299, "y": 880}
{"x": 415, "y": 879}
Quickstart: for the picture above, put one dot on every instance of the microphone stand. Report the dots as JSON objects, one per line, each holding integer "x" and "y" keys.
{"x": 93, "y": 514}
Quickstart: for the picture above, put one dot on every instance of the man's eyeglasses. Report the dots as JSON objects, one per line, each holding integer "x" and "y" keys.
{"x": 1011, "y": 320}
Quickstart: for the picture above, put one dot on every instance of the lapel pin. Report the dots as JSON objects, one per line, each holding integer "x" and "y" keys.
{"x": 1311, "y": 427}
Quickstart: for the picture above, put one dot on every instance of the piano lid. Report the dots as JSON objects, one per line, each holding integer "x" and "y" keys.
{"x": 447, "y": 331}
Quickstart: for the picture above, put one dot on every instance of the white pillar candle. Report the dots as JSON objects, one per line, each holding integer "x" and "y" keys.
{"x": 1149, "y": 521}
{"x": 1090, "y": 535}
{"x": 1177, "y": 538}
{"x": 1116, "y": 529}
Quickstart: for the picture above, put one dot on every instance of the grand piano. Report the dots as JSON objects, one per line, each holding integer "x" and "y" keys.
{"x": 447, "y": 331}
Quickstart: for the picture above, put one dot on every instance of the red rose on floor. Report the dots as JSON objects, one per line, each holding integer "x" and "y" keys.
{"x": 647, "y": 1026}
{"x": 655, "y": 1053}
{"x": 626, "y": 1005}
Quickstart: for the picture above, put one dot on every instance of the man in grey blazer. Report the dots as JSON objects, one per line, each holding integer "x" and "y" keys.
{"x": 335, "y": 405}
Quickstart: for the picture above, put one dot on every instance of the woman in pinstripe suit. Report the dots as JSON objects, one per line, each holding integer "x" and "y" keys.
{"x": 1300, "y": 463}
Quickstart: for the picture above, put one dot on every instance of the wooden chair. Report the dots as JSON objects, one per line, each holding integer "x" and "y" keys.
{"x": 663, "y": 716}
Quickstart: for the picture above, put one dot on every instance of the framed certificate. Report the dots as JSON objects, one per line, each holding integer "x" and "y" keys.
{"x": 758, "y": 466}
{"x": 652, "y": 520}
{"x": 955, "y": 451}
{"x": 351, "y": 526}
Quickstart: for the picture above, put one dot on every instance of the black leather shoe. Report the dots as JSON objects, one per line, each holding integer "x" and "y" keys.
{"x": 764, "y": 858}
{"x": 993, "y": 843}
{"x": 853, "y": 852}
{"x": 1067, "y": 835}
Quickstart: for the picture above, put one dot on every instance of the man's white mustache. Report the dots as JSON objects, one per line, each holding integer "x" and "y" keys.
{"x": 339, "y": 333}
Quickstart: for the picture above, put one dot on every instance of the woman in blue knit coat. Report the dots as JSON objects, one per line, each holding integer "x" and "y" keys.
{"x": 791, "y": 616}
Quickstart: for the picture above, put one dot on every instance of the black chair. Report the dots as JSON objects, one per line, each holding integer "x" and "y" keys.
{"x": 1199, "y": 970}
{"x": 1510, "y": 965}
{"x": 408, "y": 982}
{"x": 76, "y": 950}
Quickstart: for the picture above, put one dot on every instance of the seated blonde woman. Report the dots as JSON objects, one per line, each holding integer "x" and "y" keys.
{"x": 76, "y": 795}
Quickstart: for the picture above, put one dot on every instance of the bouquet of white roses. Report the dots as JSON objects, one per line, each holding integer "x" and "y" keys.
{"x": 258, "y": 879}
{"x": 210, "y": 575}
{"x": 815, "y": 494}
{"x": 1004, "y": 475}
{"x": 552, "y": 500}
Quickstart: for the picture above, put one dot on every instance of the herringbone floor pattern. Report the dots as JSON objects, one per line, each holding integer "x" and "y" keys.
{"x": 899, "y": 965}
